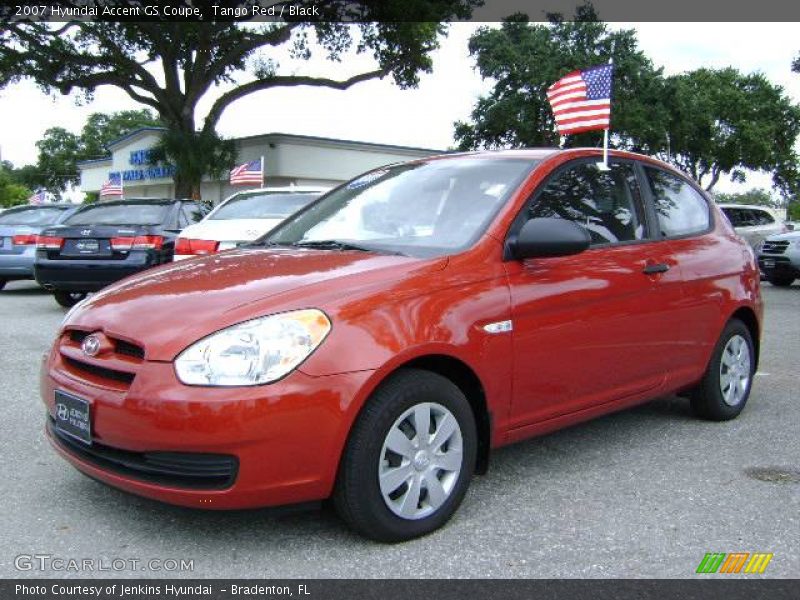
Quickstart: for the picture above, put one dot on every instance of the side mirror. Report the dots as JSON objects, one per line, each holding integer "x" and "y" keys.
{"x": 549, "y": 237}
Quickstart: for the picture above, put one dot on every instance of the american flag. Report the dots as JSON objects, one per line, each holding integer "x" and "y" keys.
{"x": 248, "y": 173}
{"x": 38, "y": 198}
{"x": 581, "y": 100}
{"x": 113, "y": 186}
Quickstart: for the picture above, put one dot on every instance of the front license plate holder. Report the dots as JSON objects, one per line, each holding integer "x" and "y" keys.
{"x": 73, "y": 417}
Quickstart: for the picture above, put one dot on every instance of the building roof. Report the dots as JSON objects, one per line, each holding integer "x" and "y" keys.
{"x": 272, "y": 137}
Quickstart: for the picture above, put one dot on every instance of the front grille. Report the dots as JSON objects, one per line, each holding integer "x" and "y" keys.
{"x": 128, "y": 349}
{"x": 120, "y": 346}
{"x": 77, "y": 336}
{"x": 776, "y": 247}
{"x": 102, "y": 372}
{"x": 190, "y": 470}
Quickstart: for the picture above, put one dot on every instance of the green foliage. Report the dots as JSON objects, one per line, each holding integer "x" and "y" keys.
{"x": 101, "y": 129}
{"x": 171, "y": 66}
{"x": 793, "y": 211}
{"x": 60, "y": 150}
{"x": 709, "y": 123}
{"x": 754, "y": 196}
{"x": 11, "y": 192}
{"x": 722, "y": 122}
{"x": 525, "y": 59}
{"x": 195, "y": 154}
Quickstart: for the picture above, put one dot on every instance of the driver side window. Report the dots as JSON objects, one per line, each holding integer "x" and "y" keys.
{"x": 606, "y": 203}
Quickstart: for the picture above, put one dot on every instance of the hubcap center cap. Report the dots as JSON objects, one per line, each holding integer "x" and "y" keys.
{"x": 421, "y": 460}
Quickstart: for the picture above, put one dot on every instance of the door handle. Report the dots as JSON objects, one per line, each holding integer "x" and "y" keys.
{"x": 655, "y": 269}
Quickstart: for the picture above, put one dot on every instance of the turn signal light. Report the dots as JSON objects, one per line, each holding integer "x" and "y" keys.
{"x": 47, "y": 242}
{"x": 140, "y": 242}
{"x": 25, "y": 240}
{"x": 186, "y": 246}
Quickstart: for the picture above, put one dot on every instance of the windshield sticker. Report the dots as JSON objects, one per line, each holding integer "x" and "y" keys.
{"x": 366, "y": 179}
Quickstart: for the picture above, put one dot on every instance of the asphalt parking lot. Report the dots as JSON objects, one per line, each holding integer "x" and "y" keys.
{"x": 643, "y": 493}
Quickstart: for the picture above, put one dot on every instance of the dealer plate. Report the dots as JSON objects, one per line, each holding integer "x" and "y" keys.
{"x": 73, "y": 417}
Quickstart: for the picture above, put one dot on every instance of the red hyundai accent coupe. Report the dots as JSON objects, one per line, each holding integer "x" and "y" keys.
{"x": 376, "y": 346}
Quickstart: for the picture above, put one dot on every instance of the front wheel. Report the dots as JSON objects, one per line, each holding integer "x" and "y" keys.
{"x": 725, "y": 388}
{"x": 409, "y": 459}
{"x": 68, "y": 299}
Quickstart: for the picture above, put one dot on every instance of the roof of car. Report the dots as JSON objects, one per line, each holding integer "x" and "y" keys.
{"x": 298, "y": 189}
{"x": 63, "y": 205}
{"x": 748, "y": 206}
{"x": 136, "y": 200}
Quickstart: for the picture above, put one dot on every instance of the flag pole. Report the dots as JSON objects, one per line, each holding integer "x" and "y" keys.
{"x": 262, "y": 171}
{"x": 604, "y": 165}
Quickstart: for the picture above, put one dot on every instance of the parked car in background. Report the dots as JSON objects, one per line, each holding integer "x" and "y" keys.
{"x": 242, "y": 218}
{"x": 377, "y": 345}
{"x": 779, "y": 258}
{"x": 754, "y": 223}
{"x": 19, "y": 227}
{"x": 104, "y": 242}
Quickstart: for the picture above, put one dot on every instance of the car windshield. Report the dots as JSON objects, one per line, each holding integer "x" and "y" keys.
{"x": 420, "y": 209}
{"x": 30, "y": 216}
{"x": 133, "y": 213}
{"x": 263, "y": 205}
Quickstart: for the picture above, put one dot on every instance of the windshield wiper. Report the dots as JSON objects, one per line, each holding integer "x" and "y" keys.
{"x": 333, "y": 245}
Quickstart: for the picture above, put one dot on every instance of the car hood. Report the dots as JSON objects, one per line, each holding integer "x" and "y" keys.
{"x": 229, "y": 230}
{"x": 789, "y": 235}
{"x": 170, "y": 307}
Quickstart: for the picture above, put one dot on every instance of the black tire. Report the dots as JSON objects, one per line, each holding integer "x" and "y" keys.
{"x": 68, "y": 299}
{"x": 3, "y": 283}
{"x": 708, "y": 400}
{"x": 781, "y": 280}
{"x": 358, "y": 497}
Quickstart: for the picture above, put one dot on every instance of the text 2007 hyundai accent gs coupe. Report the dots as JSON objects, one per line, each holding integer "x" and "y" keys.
{"x": 377, "y": 345}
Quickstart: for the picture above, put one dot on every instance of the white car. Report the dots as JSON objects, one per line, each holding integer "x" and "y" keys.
{"x": 241, "y": 218}
{"x": 754, "y": 223}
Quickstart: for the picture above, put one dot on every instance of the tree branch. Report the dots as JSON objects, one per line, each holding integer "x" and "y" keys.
{"x": 283, "y": 81}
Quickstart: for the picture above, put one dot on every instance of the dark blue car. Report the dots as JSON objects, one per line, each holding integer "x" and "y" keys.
{"x": 104, "y": 242}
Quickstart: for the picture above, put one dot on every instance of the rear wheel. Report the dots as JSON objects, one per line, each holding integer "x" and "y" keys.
{"x": 781, "y": 280}
{"x": 68, "y": 299}
{"x": 726, "y": 385}
{"x": 409, "y": 459}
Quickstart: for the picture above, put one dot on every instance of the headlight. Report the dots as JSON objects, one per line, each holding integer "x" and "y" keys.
{"x": 254, "y": 352}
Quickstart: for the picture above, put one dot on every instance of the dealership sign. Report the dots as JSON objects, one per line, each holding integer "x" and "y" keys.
{"x": 141, "y": 158}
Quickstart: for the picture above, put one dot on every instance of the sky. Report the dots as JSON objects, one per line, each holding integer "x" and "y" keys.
{"x": 378, "y": 111}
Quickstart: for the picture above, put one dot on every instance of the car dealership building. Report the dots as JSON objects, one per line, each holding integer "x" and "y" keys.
{"x": 288, "y": 160}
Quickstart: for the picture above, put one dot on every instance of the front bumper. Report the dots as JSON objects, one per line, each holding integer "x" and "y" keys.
{"x": 778, "y": 265}
{"x": 286, "y": 437}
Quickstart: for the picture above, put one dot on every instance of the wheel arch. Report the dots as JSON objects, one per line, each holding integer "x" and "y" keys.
{"x": 464, "y": 377}
{"x": 747, "y": 315}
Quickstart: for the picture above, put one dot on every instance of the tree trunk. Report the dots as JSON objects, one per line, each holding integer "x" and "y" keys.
{"x": 186, "y": 179}
{"x": 185, "y": 188}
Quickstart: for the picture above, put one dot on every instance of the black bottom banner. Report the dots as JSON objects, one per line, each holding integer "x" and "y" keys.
{"x": 399, "y": 589}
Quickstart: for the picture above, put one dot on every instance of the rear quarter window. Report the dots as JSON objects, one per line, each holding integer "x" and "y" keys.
{"x": 681, "y": 209}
